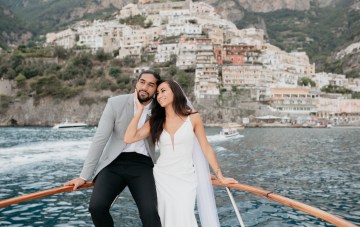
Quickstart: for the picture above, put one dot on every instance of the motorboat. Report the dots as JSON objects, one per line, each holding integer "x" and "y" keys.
{"x": 229, "y": 132}
{"x": 67, "y": 124}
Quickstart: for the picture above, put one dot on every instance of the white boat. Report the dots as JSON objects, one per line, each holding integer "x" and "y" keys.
{"x": 67, "y": 124}
{"x": 229, "y": 132}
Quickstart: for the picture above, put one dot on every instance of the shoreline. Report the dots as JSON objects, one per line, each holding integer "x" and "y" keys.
{"x": 281, "y": 126}
{"x": 212, "y": 125}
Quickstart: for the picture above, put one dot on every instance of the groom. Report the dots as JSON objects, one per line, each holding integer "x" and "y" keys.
{"x": 117, "y": 165}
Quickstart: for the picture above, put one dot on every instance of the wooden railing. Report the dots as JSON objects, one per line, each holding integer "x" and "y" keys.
{"x": 289, "y": 202}
{"x": 242, "y": 187}
{"x": 40, "y": 194}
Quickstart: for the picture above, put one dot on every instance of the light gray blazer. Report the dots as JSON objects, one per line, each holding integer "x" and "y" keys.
{"x": 108, "y": 141}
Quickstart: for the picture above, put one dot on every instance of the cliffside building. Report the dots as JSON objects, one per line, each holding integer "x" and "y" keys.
{"x": 155, "y": 6}
{"x": 206, "y": 72}
{"x": 293, "y": 100}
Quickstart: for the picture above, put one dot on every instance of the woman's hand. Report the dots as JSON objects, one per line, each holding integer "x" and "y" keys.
{"x": 140, "y": 107}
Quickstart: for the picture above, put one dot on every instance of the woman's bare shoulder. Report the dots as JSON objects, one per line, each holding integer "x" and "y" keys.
{"x": 195, "y": 117}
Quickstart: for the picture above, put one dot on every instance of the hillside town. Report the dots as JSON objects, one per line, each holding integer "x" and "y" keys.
{"x": 223, "y": 57}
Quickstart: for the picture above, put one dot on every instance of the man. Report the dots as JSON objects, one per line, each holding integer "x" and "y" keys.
{"x": 117, "y": 165}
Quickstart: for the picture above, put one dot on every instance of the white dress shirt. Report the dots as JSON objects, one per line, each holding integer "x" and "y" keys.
{"x": 139, "y": 146}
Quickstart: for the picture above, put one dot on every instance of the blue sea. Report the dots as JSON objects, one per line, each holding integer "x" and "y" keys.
{"x": 319, "y": 167}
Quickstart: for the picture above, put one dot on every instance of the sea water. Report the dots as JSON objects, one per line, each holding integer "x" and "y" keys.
{"x": 319, "y": 167}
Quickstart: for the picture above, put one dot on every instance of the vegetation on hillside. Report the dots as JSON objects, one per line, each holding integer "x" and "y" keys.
{"x": 11, "y": 27}
{"x": 40, "y": 17}
{"x": 63, "y": 74}
{"x": 136, "y": 20}
{"x": 305, "y": 81}
{"x": 319, "y": 32}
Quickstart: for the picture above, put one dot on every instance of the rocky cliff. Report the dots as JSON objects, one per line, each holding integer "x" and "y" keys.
{"x": 49, "y": 111}
{"x": 232, "y": 9}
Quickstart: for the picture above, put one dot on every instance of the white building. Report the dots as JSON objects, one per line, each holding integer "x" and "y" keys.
{"x": 206, "y": 72}
{"x": 165, "y": 14}
{"x": 206, "y": 81}
{"x": 93, "y": 35}
{"x": 66, "y": 38}
{"x": 354, "y": 84}
{"x": 187, "y": 52}
{"x": 133, "y": 50}
{"x": 129, "y": 10}
{"x": 324, "y": 79}
{"x": 135, "y": 40}
{"x": 182, "y": 25}
{"x": 297, "y": 62}
{"x": 187, "y": 56}
{"x": 249, "y": 36}
{"x": 165, "y": 51}
{"x": 202, "y": 8}
{"x": 155, "y": 19}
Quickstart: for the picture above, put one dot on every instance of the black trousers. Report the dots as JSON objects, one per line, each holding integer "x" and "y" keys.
{"x": 129, "y": 169}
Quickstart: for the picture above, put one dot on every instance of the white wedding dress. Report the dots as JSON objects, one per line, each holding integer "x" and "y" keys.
{"x": 175, "y": 177}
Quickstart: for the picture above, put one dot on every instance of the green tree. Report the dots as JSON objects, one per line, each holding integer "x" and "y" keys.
{"x": 115, "y": 72}
{"x": 172, "y": 70}
{"x": 305, "y": 81}
{"x": 129, "y": 62}
{"x": 102, "y": 56}
{"x": 16, "y": 61}
{"x": 60, "y": 52}
{"x": 335, "y": 89}
{"x": 31, "y": 71}
{"x": 20, "y": 79}
{"x": 355, "y": 95}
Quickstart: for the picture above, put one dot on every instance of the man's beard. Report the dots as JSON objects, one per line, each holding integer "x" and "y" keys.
{"x": 143, "y": 99}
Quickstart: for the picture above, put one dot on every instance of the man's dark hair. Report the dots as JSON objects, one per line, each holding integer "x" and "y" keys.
{"x": 150, "y": 71}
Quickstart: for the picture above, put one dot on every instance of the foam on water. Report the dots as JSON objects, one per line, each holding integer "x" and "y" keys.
{"x": 19, "y": 156}
{"x": 220, "y": 138}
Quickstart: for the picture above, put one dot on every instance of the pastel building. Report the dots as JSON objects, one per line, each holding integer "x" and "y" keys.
{"x": 236, "y": 54}
{"x": 339, "y": 111}
{"x": 293, "y": 100}
{"x": 245, "y": 76}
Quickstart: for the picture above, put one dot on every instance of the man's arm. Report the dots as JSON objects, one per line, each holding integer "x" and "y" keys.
{"x": 103, "y": 133}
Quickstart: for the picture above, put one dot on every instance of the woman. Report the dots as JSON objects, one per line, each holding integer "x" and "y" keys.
{"x": 174, "y": 127}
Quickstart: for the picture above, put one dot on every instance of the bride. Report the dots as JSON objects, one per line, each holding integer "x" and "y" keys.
{"x": 177, "y": 130}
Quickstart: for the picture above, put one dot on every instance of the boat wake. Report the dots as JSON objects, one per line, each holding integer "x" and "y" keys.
{"x": 31, "y": 154}
{"x": 220, "y": 138}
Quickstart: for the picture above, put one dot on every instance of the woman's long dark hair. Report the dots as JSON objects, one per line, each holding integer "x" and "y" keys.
{"x": 158, "y": 117}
